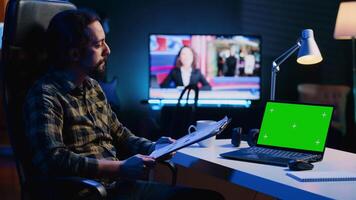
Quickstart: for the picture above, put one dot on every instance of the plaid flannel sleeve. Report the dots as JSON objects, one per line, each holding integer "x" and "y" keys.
{"x": 125, "y": 141}
{"x": 44, "y": 123}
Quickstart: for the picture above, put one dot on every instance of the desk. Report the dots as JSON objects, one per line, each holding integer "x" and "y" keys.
{"x": 268, "y": 179}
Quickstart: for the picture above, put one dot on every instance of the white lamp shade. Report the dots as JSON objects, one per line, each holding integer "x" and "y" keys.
{"x": 345, "y": 27}
{"x": 309, "y": 52}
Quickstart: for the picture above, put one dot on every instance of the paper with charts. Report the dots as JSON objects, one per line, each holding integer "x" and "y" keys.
{"x": 192, "y": 138}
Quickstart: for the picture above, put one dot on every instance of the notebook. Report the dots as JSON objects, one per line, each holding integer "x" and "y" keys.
{"x": 324, "y": 176}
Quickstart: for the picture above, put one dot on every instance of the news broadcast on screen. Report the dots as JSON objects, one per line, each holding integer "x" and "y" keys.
{"x": 224, "y": 67}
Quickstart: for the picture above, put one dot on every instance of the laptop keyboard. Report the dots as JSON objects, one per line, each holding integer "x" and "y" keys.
{"x": 279, "y": 153}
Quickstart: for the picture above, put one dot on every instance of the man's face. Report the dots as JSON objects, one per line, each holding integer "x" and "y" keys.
{"x": 94, "y": 59}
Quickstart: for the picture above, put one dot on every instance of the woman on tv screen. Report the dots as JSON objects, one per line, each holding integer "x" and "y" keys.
{"x": 185, "y": 71}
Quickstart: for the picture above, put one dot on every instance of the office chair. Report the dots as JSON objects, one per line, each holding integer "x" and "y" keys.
{"x": 23, "y": 62}
{"x": 328, "y": 94}
{"x": 334, "y": 95}
{"x": 109, "y": 88}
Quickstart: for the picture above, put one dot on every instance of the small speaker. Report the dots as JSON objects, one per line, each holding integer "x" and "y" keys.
{"x": 236, "y": 136}
{"x": 250, "y": 137}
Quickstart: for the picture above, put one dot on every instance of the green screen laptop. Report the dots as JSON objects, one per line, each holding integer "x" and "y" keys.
{"x": 289, "y": 131}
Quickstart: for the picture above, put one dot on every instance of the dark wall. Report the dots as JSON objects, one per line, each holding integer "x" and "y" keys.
{"x": 278, "y": 22}
{"x": 132, "y": 21}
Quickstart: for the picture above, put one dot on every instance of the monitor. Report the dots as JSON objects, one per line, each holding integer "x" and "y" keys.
{"x": 226, "y": 68}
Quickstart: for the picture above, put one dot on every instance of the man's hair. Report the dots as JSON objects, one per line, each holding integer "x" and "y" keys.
{"x": 66, "y": 31}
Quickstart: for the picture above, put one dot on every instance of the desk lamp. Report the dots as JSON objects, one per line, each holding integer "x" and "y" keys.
{"x": 308, "y": 54}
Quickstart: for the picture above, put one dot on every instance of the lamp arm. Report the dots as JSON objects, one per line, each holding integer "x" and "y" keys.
{"x": 275, "y": 66}
{"x": 278, "y": 61}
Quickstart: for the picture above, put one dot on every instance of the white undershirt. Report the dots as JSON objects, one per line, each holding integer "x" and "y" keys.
{"x": 186, "y": 73}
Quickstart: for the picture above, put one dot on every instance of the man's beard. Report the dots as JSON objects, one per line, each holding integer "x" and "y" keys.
{"x": 97, "y": 72}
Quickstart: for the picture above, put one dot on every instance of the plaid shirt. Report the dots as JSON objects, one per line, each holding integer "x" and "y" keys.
{"x": 71, "y": 127}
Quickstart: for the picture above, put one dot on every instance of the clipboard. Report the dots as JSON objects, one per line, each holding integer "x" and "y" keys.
{"x": 189, "y": 139}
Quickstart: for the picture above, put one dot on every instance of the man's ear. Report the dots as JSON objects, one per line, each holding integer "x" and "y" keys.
{"x": 74, "y": 55}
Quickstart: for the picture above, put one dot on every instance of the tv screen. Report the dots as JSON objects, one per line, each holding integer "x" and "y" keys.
{"x": 226, "y": 68}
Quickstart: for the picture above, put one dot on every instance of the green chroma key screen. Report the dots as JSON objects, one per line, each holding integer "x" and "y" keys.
{"x": 296, "y": 126}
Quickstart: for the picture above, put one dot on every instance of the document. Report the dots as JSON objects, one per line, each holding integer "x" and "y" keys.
{"x": 192, "y": 138}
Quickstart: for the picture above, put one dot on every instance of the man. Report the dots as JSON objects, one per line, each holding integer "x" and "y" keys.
{"x": 73, "y": 130}
{"x": 231, "y": 62}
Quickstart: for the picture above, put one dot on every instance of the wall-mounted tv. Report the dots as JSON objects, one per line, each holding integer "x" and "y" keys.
{"x": 226, "y": 68}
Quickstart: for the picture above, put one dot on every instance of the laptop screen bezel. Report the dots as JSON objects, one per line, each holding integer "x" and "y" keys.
{"x": 293, "y": 149}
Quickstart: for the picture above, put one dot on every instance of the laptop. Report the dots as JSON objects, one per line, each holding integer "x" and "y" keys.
{"x": 289, "y": 131}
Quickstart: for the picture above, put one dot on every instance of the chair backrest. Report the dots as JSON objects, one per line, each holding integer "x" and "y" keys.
{"x": 24, "y": 61}
{"x": 327, "y": 94}
{"x": 109, "y": 88}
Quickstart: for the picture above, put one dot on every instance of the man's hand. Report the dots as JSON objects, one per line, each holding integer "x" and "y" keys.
{"x": 135, "y": 166}
{"x": 163, "y": 141}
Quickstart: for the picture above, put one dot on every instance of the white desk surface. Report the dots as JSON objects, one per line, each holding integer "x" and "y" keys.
{"x": 268, "y": 179}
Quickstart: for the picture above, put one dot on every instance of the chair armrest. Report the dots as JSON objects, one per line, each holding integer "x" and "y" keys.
{"x": 70, "y": 187}
{"x": 85, "y": 186}
{"x": 173, "y": 169}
